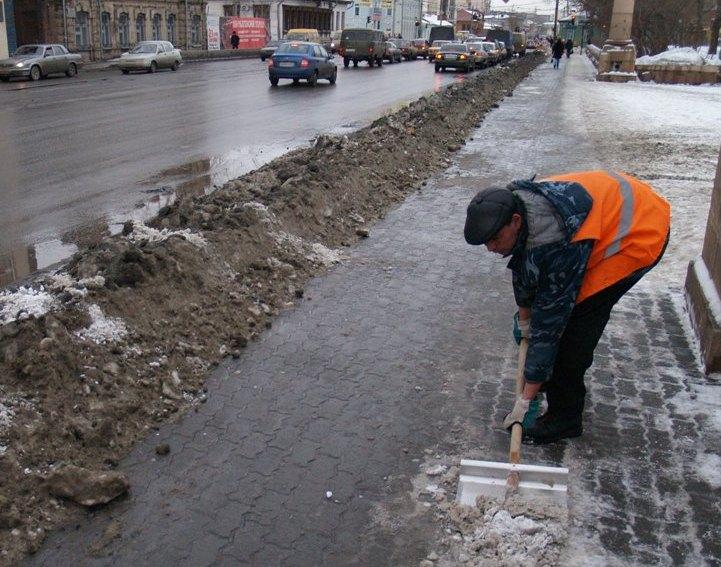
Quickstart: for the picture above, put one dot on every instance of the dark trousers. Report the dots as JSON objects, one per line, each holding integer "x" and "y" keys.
{"x": 565, "y": 391}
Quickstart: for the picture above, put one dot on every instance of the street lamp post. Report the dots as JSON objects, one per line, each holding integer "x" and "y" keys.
{"x": 555, "y": 22}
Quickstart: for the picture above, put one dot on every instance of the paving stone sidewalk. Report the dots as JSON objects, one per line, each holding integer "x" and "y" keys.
{"x": 405, "y": 350}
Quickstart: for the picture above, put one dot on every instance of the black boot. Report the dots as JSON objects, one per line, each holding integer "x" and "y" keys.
{"x": 550, "y": 429}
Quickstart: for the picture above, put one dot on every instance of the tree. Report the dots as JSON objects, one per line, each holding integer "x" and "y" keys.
{"x": 715, "y": 26}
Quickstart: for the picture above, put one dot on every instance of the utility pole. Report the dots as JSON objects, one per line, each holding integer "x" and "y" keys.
{"x": 555, "y": 22}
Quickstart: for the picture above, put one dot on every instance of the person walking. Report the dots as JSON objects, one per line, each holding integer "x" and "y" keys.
{"x": 557, "y": 52}
{"x": 234, "y": 40}
{"x": 577, "y": 243}
{"x": 569, "y": 48}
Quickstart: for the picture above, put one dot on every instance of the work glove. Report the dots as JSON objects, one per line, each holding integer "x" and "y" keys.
{"x": 521, "y": 328}
{"x": 524, "y": 412}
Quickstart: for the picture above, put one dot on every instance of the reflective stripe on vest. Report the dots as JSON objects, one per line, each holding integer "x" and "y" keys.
{"x": 624, "y": 225}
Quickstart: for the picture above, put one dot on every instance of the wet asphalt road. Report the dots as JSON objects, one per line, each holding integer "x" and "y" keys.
{"x": 104, "y": 147}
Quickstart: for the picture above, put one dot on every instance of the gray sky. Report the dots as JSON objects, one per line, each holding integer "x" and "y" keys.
{"x": 544, "y": 6}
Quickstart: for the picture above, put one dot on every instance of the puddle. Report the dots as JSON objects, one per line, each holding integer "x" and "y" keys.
{"x": 200, "y": 176}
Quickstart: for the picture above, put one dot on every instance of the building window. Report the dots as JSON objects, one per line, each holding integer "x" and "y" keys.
{"x": 195, "y": 31}
{"x": 156, "y": 26}
{"x": 357, "y": 11}
{"x": 388, "y": 12}
{"x": 82, "y": 30}
{"x": 140, "y": 28}
{"x": 171, "y": 28}
{"x": 123, "y": 30}
{"x": 105, "y": 29}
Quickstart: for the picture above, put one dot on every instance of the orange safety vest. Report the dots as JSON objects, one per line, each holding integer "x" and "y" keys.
{"x": 629, "y": 223}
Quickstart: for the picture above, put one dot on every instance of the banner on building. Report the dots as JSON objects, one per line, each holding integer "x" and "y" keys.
{"x": 252, "y": 32}
{"x": 386, "y": 4}
{"x": 365, "y": 3}
{"x": 213, "y": 32}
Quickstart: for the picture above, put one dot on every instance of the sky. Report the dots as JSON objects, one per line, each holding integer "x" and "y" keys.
{"x": 544, "y": 6}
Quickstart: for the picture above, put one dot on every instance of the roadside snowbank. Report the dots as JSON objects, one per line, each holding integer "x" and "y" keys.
{"x": 23, "y": 303}
{"x": 677, "y": 56}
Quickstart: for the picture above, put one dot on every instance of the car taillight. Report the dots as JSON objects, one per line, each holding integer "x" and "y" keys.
{"x": 304, "y": 63}
{"x": 439, "y": 56}
{"x": 462, "y": 57}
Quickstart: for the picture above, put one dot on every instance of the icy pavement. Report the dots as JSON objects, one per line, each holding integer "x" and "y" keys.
{"x": 404, "y": 350}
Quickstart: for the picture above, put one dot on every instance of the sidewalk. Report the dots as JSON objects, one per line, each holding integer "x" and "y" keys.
{"x": 405, "y": 351}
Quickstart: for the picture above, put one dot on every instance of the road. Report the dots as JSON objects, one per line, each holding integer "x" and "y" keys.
{"x": 79, "y": 155}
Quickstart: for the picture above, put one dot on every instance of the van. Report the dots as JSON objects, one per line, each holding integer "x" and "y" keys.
{"x": 361, "y": 44}
{"x": 441, "y": 32}
{"x": 504, "y": 36}
{"x": 303, "y": 34}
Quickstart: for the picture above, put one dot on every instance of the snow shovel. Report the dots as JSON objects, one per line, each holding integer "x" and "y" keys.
{"x": 500, "y": 480}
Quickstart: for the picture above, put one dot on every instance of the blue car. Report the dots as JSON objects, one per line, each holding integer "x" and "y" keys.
{"x": 301, "y": 60}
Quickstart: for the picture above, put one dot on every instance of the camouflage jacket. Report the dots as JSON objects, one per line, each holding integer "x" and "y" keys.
{"x": 547, "y": 267}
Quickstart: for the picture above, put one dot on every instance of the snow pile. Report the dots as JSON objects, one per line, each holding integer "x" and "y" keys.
{"x": 102, "y": 329}
{"x": 6, "y": 416}
{"x": 678, "y": 56}
{"x": 709, "y": 468}
{"x": 24, "y": 303}
{"x": 710, "y": 60}
{"x": 513, "y": 540}
{"x": 322, "y": 255}
{"x": 143, "y": 233}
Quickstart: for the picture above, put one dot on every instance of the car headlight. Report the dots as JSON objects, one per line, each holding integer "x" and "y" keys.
{"x": 21, "y": 64}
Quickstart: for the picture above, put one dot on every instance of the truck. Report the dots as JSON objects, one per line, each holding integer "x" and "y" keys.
{"x": 519, "y": 43}
{"x": 505, "y": 36}
{"x": 441, "y": 32}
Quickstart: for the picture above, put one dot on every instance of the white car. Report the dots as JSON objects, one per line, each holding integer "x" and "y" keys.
{"x": 149, "y": 56}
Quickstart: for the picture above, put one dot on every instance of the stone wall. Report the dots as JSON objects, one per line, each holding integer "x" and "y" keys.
{"x": 680, "y": 74}
{"x": 703, "y": 281}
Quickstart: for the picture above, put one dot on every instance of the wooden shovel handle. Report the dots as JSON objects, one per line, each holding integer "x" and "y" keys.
{"x": 514, "y": 455}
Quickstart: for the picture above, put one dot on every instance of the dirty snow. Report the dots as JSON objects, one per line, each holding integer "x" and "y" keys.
{"x": 708, "y": 467}
{"x": 677, "y": 56}
{"x": 24, "y": 303}
{"x": 102, "y": 329}
{"x": 143, "y": 233}
{"x": 324, "y": 255}
{"x": 6, "y": 416}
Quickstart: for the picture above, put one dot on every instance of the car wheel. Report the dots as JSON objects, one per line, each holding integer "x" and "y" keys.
{"x": 346, "y": 62}
{"x": 274, "y": 81}
{"x": 334, "y": 77}
{"x": 175, "y": 66}
{"x": 125, "y": 71}
{"x": 296, "y": 81}
{"x": 371, "y": 62}
{"x": 313, "y": 81}
{"x": 4, "y": 79}
{"x": 35, "y": 73}
{"x": 262, "y": 58}
{"x": 380, "y": 62}
{"x": 438, "y": 68}
{"x": 153, "y": 67}
{"x": 355, "y": 63}
{"x": 72, "y": 70}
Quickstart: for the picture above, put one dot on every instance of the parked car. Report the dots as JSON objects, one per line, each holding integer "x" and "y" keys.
{"x": 421, "y": 46}
{"x": 391, "y": 52}
{"x": 435, "y": 48}
{"x": 361, "y": 44}
{"x": 481, "y": 59}
{"x": 270, "y": 48}
{"x": 37, "y": 61}
{"x": 455, "y": 56}
{"x": 494, "y": 53}
{"x": 408, "y": 50}
{"x": 298, "y": 60}
{"x": 149, "y": 56}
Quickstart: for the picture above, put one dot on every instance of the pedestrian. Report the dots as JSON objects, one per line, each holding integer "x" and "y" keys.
{"x": 577, "y": 243}
{"x": 558, "y": 49}
{"x": 569, "y": 48}
{"x": 234, "y": 40}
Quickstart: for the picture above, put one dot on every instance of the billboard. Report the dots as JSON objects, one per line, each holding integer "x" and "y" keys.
{"x": 213, "y": 32}
{"x": 253, "y": 32}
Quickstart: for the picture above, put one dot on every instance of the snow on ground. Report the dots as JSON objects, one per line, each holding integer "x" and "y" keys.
{"x": 24, "y": 302}
{"x": 669, "y": 136}
{"x": 102, "y": 329}
{"x": 143, "y": 233}
{"x": 677, "y": 56}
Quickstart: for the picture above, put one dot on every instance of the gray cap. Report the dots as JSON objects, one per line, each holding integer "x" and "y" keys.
{"x": 490, "y": 210}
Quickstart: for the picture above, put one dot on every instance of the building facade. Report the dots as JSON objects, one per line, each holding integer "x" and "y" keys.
{"x": 394, "y": 17}
{"x": 326, "y": 16}
{"x": 103, "y": 29}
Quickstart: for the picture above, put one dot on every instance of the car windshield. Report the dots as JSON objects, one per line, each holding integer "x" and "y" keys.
{"x": 291, "y": 47}
{"x": 29, "y": 50}
{"x": 454, "y": 47}
{"x": 440, "y": 42}
{"x": 144, "y": 48}
{"x": 354, "y": 35}
{"x": 476, "y": 46}
{"x": 489, "y": 46}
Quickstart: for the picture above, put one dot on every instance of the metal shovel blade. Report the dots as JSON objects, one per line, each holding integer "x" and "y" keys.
{"x": 488, "y": 478}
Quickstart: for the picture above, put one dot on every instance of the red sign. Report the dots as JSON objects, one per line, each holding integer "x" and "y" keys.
{"x": 252, "y": 32}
